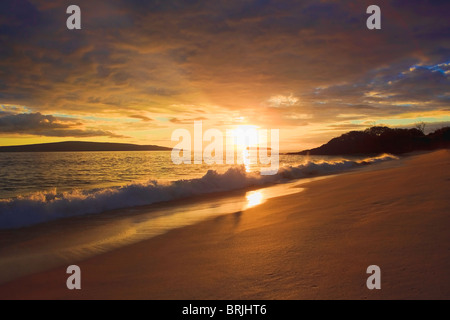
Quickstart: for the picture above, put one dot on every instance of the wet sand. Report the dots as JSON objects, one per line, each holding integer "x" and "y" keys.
{"x": 315, "y": 244}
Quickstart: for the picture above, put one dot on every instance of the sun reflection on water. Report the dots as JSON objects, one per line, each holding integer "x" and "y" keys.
{"x": 246, "y": 160}
{"x": 254, "y": 198}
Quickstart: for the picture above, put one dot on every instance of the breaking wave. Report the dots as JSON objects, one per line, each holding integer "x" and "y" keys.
{"x": 46, "y": 206}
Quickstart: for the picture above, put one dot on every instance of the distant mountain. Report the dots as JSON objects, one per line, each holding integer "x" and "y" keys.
{"x": 377, "y": 140}
{"x": 81, "y": 146}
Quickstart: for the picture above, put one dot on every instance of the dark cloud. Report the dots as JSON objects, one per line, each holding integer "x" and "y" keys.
{"x": 416, "y": 88}
{"x": 156, "y": 55}
{"x": 186, "y": 121}
{"x": 45, "y": 125}
{"x": 140, "y": 117}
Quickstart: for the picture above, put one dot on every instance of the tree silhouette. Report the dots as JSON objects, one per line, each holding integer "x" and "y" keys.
{"x": 421, "y": 126}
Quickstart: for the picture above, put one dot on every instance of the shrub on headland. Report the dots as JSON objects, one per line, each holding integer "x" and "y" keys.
{"x": 380, "y": 139}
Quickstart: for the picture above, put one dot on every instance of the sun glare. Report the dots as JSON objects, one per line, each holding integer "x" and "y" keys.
{"x": 245, "y": 137}
{"x": 254, "y": 198}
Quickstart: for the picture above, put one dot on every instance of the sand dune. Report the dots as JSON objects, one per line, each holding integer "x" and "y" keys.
{"x": 315, "y": 244}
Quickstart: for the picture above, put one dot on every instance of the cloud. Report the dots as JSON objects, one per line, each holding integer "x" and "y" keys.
{"x": 156, "y": 53}
{"x": 280, "y": 101}
{"x": 46, "y": 125}
{"x": 272, "y": 63}
{"x": 141, "y": 117}
{"x": 187, "y": 120}
{"x": 412, "y": 89}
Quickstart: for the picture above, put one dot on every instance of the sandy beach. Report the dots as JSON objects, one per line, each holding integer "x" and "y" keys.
{"x": 316, "y": 244}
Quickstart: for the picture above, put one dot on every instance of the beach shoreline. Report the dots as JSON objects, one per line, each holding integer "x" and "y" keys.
{"x": 55, "y": 243}
{"x": 315, "y": 244}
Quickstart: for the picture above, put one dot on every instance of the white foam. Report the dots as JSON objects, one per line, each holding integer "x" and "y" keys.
{"x": 41, "y": 207}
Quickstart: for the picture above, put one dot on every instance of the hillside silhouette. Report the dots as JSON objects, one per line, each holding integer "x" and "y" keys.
{"x": 81, "y": 146}
{"x": 379, "y": 139}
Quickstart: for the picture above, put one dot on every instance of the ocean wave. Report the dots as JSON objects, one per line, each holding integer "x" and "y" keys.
{"x": 41, "y": 207}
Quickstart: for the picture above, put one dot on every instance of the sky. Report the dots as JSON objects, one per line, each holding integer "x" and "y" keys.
{"x": 138, "y": 70}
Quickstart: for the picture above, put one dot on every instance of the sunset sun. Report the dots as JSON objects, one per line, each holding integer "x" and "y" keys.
{"x": 224, "y": 150}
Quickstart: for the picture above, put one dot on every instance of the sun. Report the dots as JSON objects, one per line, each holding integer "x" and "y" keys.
{"x": 245, "y": 138}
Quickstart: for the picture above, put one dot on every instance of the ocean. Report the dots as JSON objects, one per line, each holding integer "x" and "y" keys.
{"x": 38, "y": 187}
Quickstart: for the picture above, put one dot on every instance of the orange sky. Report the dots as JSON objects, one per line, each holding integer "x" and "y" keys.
{"x": 137, "y": 71}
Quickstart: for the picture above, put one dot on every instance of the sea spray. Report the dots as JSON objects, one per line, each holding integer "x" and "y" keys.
{"x": 46, "y": 206}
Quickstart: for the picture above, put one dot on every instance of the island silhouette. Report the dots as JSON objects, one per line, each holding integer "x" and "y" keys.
{"x": 374, "y": 140}
{"x": 379, "y": 139}
{"x": 73, "y": 146}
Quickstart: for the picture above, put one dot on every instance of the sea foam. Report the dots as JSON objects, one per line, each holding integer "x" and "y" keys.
{"x": 41, "y": 207}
